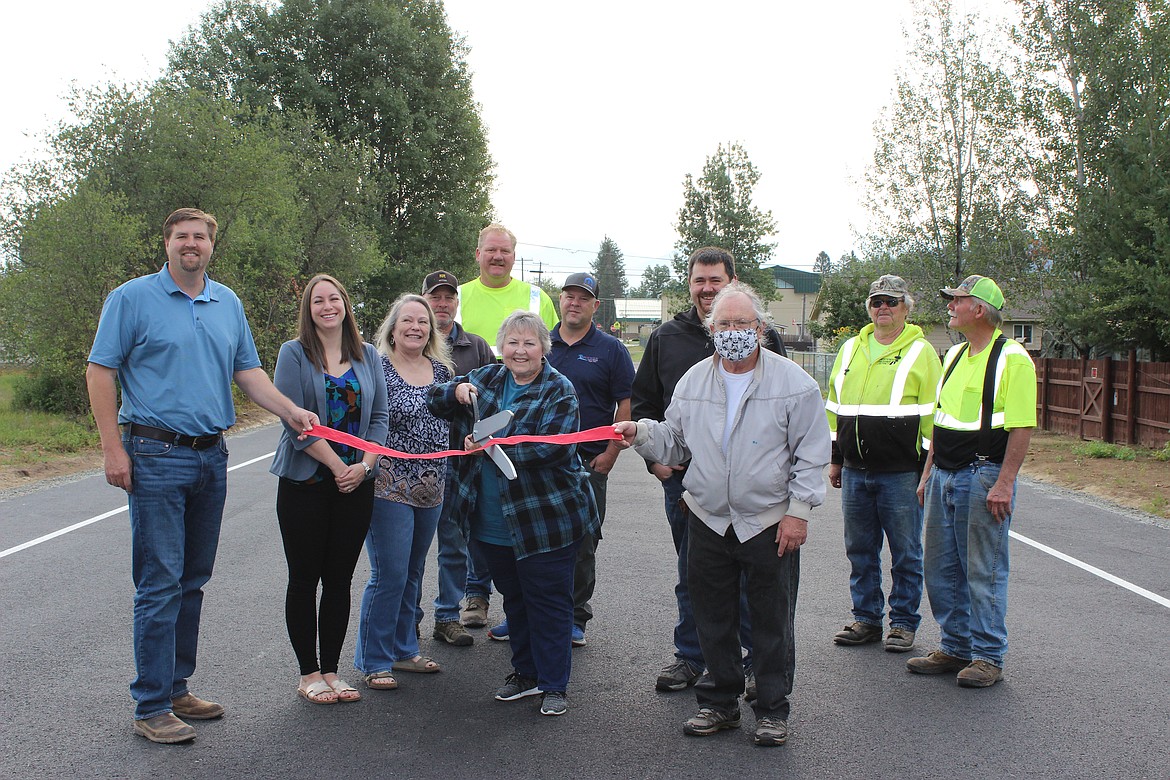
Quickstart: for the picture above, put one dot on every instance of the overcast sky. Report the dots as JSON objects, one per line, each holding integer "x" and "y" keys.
{"x": 595, "y": 112}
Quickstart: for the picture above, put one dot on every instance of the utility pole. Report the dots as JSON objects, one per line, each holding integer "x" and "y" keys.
{"x": 539, "y": 271}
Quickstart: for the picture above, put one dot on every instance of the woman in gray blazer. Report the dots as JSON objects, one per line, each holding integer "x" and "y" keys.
{"x": 326, "y": 491}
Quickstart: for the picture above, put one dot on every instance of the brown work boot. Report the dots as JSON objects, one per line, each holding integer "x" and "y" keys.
{"x": 858, "y": 633}
{"x": 453, "y": 633}
{"x": 474, "y": 615}
{"x": 937, "y": 662}
{"x": 191, "y": 707}
{"x": 980, "y": 674}
{"x": 165, "y": 729}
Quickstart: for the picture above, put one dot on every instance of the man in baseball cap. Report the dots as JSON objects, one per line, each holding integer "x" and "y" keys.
{"x": 975, "y": 286}
{"x": 893, "y": 286}
{"x": 976, "y": 452}
{"x": 462, "y": 570}
{"x": 602, "y": 373}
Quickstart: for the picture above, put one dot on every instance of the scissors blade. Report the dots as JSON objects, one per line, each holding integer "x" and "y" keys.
{"x": 502, "y": 461}
{"x": 483, "y": 429}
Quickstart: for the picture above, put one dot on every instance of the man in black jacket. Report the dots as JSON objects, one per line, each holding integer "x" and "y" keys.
{"x": 672, "y": 349}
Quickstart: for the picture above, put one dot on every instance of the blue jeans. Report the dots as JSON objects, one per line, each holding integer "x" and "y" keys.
{"x": 877, "y": 503}
{"x": 686, "y": 634}
{"x": 967, "y": 562}
{"x": 538, "y": 603}
{"x": 479, "y": 578}
{"x": 176, "y": 509}
{"x": 452, "y": 559}
{"x": 397, "y": 545}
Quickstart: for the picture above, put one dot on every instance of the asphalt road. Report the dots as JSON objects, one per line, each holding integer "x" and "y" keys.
{"x": 1087, "y": 692}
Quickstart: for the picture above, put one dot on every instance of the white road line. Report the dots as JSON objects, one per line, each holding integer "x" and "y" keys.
{"x": 103, "y": 516}
{"x": 1154, "y": 597}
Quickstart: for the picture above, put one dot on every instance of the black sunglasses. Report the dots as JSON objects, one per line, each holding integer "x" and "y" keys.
{"x": 878, "y": 302}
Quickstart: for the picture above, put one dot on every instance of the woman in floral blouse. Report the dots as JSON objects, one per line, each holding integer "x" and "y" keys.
{"x": 408, "y": 495}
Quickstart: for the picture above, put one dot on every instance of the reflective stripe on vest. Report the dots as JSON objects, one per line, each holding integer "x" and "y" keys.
{"x": 997, "y": 418}
{"x": 893, "y": 408}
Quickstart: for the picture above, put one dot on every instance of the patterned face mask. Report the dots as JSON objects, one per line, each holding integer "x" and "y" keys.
{"x": 735, "y": 345}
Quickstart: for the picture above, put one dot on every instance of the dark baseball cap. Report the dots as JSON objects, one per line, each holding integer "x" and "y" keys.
{"x": 585, "y": 281}
{"x": 438, "y": 279}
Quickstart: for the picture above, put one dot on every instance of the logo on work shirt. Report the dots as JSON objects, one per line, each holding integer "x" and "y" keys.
{"x": 588, "y": 358}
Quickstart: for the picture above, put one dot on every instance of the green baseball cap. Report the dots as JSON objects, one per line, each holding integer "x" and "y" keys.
{"x": 976, "y": 286}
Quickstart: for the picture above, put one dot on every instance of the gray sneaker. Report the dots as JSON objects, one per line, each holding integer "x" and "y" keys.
{"x": 517, "y": 687}
{"x": 453, "y": 633}
{"x": 770, "y": 731}
{"x": 554, "y": 703}
{"x": 899, "y": 640}
{"x": 709, "y": 720}
{"x": 677, "y": 676}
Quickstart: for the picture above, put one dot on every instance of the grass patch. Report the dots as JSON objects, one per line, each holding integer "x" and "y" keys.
{"x": 1100, "y": 449}
{"x": 636, "y": 349}
{"x": 33, "y": 437}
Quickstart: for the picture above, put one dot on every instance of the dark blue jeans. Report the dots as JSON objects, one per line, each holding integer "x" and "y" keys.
{"x": 585, "y": 571}
{"x": 877, "y": 503}
{"x": 686, "y": 635}
{"x": 538, "y": 603}
{"x": 176, "y": 508}
{"x": 723, "y": 571}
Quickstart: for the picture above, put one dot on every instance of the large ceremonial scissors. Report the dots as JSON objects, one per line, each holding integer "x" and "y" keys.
{"x": 482, "y": 432}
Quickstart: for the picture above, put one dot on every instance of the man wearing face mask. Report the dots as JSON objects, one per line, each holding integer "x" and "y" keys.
{"x": 673, "y": 348}
{"x": 752, "y": 425}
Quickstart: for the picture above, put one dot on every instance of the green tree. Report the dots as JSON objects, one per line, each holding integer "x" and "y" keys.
{"x": 655, "y": 281}
{"x": 389, "y": 74}
{"x": 609, "y": 267}
{"x": 718, "y": 211}
{"x": 823, "y": 264}
{"x": 839, "y": 310}
{"x": 1103, "y": 92}
{"x": 951, "y": 190}
{"x": 289, "y": 202}
{"x": 71, "y": 255}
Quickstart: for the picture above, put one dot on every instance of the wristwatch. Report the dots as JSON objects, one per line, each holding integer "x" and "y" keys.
{"x": 366, "y": 466}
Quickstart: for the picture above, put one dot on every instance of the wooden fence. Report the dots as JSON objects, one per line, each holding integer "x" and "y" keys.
{"x": 1121, "y": 402}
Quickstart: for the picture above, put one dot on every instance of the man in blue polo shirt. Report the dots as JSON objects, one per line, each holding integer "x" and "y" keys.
{"x": 174, "y": 341}
{"x": 602, "y": 373}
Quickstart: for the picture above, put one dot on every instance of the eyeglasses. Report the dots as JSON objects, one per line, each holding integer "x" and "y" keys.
{"x": 878, "y": 302}
{"x": 735, "y": 324}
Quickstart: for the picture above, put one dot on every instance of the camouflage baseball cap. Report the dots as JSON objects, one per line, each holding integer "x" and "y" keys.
{"x": 888, "y": 284}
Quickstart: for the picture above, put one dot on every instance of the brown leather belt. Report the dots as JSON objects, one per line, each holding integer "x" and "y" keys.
{"x": 170, "y": 437}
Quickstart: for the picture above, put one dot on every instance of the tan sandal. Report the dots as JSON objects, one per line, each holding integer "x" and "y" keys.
{"x": 381, "y": 681}
{"x": 344, "y": 691}
{"x": 317, "y": 691}
{"x": 421, "y": 665}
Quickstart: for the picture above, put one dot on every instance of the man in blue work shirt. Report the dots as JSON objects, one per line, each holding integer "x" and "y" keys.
{"x": 602, "y": 373}
{"x": 174, "y": 341}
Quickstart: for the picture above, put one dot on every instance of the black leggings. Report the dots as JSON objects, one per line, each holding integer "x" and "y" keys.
{"x": 323, "y": 530}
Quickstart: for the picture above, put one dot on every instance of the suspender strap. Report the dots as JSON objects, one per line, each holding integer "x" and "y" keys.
{"x": 989, "y": 374}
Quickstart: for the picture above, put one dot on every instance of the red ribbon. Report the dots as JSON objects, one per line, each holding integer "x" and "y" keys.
{"x": 601, "y": 433}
